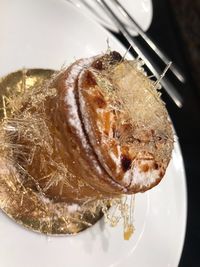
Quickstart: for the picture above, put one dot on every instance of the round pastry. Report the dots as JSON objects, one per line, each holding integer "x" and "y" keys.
{"x": 104, "y": 127}
{"x": 117, "y": 121}
{"x": 95, "y": 131}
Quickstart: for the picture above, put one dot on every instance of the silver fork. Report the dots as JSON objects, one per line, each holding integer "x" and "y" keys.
{"x": 167, "y": 85}
{"x": 175, "y": 70}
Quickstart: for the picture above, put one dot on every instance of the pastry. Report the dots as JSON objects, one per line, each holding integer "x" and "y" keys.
{"x": 95, "y": 131}
{"x": 115, "y": 114}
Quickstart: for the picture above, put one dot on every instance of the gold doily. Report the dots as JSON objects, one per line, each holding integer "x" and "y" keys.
{"x": 29, "y": 205}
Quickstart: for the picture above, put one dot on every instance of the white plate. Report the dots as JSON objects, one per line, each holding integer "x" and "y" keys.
{"x": 140, "y": 10}
{"x": 44, "y": 33}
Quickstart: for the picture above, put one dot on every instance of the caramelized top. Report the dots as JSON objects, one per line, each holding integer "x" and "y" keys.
{"x": 97, "y": 130}
{"x": 126, "y": 122}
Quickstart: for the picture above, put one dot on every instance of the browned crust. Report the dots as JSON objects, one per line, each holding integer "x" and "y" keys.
{"x": 152, "y": 142}
{"x": 81, "y": 162}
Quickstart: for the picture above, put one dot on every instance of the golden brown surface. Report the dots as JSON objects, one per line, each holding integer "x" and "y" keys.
{"x": 99, "y": 129}
{"x": 21, "y": 197}
{"x": 124, "y": 120}
{"x": 86, "y": 136}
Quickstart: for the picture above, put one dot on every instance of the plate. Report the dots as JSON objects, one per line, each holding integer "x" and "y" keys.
{"x": 48, "y": 34}
{"x": 140, "y": 10}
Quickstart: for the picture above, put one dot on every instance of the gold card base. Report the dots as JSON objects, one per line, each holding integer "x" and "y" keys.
{"x": 25, "y": 206}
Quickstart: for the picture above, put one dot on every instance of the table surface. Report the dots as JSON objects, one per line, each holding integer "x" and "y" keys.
{"x": 173, "y": 35}
{"x": 176, "y": 34}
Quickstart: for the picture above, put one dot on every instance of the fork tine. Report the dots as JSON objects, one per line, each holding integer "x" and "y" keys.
{"x": 170, "y": 89}
{"x": 176, "y": 71}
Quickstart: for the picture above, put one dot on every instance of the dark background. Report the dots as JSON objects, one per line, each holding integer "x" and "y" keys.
{"x": 176, "y": 28}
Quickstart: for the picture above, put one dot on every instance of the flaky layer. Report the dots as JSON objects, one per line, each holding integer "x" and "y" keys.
{"x": 118, "y": 122}
{"x": 82, "y": 160}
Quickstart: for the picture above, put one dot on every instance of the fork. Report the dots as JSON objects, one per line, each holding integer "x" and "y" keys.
{"x": 175, "y": 70}
{"x": 157, "y": 73}
{"x": 167, "y": 85}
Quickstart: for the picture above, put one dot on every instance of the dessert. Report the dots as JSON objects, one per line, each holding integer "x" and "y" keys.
{"x": 92, "y": 133}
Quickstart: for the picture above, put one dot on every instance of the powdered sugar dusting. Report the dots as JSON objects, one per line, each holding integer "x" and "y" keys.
{"x": 116, "y": 158}
{"x": 73, "y": 208}
{"x": 143, "y": 178}
{"x": 71, "y": 102}
{"x": 127, "y": 178}
{"x": 74, "y": 120}
{"x": 70, "y": 99}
